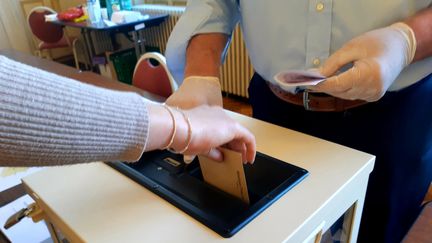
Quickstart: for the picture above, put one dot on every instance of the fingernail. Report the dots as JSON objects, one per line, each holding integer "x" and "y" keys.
{"x": 216, "y": 154}
{"x": 188, "y": 158}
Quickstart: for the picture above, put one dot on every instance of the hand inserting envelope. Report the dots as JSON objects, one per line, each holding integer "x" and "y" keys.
{"x": 227, "y": 175}
{"x": 293, "y": 78}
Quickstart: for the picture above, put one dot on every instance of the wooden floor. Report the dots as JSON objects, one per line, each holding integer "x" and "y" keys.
{"x": 239, "y": 105}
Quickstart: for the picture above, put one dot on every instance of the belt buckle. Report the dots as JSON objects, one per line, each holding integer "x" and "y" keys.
{"x": 306, "y": 100}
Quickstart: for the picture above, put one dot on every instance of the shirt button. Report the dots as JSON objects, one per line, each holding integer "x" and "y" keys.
{"x": 316, "y": 61}
{"x": 320, "y": 7}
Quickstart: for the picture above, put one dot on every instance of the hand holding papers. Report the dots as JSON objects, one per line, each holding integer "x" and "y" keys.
{"x": 292, "y": 78}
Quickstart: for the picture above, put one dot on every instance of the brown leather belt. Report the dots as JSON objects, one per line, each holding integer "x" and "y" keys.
{"x": 315, "y": 101}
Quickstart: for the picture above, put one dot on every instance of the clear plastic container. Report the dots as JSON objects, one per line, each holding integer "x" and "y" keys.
{"x": 94, "y": 11}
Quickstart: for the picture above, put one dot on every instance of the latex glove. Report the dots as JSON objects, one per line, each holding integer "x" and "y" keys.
{"x": 197, "y": 90}
{"x": 213, "y": 128}
{"x": 377, "y": 56}
{"x": 194, "y": 91}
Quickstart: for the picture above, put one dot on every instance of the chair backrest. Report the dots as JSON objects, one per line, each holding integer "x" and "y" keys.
{"x": 155, "y": 79}
{"x": 44, "y": 31}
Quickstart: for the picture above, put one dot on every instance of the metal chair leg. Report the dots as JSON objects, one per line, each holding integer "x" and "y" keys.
{"x": 75, "y": 54}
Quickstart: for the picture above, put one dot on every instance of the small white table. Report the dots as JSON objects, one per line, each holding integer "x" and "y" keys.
{"x": 95, "y": 203}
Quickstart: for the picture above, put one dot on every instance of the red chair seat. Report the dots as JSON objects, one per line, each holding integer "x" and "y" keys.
{"x": 62, "y": 43}
{"x": 44, "y": 31}
{"x": 155, "y": 79}
{"x": 159, "y": 80}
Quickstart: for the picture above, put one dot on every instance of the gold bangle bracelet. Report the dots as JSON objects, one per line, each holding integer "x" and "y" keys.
{"x": 174, "y": 127}
{"x": 189, "y": 136}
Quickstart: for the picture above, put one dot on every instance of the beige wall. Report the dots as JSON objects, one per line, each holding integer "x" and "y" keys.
{"x": 64, "y": 4}
{"x": 4, "y": 40}
{"x": 13, "y": 30}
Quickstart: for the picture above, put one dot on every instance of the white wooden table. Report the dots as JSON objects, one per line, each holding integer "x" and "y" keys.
{"x": 95, "y": 203}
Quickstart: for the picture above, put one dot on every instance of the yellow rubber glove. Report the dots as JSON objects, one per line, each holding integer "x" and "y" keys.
{"x": 195, "y": 91}
{"x": 377, "y": 56}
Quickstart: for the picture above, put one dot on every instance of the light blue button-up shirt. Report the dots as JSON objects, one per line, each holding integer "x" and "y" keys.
{"x": 293, "y": 35}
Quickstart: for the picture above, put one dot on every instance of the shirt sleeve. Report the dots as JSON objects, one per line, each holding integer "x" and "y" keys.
{"x": 47, "y": 119}
{"x": 200, "y": 16}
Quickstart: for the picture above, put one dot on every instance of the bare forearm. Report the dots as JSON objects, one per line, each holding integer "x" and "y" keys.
{"x": 421, "y": 23}
{"x": 203, "y": 55}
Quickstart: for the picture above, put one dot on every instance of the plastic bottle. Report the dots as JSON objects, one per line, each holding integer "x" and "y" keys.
{"x": 94, "y": 11}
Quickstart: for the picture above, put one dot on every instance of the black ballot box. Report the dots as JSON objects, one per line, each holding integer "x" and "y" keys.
{"x": 181, "y": 184}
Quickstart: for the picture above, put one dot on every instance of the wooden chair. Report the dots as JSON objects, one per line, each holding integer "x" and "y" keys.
{"x": 155, "y": 79}
{"x": 421, "y": 230}
{"x": 51, "y": 36}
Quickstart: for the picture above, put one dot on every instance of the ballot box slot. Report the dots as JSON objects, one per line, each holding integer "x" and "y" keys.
{"x": 166, "y": 175}
{"x": 194, "y": 170}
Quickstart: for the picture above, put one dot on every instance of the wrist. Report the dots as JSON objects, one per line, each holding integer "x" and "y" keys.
{"x": 207, "y": 89}
{"x": 210, "y": 80}
{"x": 409, "y": 36}
{"x": 168, "y": 128}
{"x": 183, "y": 134}
{"x": 161, "y": 127}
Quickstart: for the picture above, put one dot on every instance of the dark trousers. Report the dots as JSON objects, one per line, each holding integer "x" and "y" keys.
{"x": 397, "y": 129}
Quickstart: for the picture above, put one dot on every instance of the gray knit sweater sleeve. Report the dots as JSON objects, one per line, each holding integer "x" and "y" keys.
{"x": 46, "y": 119}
